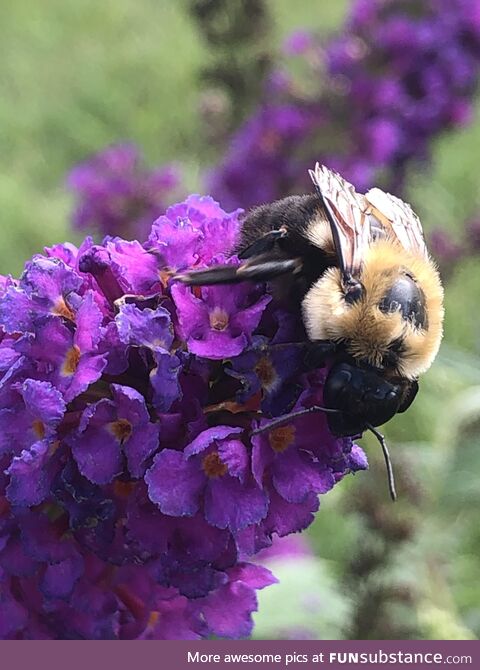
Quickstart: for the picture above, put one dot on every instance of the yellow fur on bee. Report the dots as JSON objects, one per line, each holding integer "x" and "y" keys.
{"x": 319, "y": 233}
{"x": 365, "y": 329}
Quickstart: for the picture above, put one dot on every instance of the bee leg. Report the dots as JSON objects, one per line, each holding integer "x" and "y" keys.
{"x": 265, "y": 244}
{"x": 268, "y": 266}
{"x": 260, "y": 268}
{"x": 219, "y": 274}
{"x": 286, "y": 418}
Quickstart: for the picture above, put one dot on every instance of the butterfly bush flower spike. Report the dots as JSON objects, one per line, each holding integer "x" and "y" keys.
{"x": 115, "y": 194}
{"x": 368, "y": 102}
{"x": 133, "y": 497}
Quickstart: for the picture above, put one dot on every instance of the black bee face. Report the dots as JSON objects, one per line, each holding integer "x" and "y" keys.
{"x": 363, "y": 397}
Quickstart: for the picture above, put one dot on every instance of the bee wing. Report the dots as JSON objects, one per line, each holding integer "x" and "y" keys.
{"x": 345, "y": 209}
{"x": 398, "y": 217}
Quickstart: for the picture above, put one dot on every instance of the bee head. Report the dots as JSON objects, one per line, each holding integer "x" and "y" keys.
{"x": 391, "y": 321}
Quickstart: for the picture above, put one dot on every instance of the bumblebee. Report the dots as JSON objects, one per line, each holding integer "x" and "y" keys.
{"x": 370, "y": 295}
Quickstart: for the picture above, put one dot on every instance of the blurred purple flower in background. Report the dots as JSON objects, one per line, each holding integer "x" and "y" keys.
{"x": 367, "y": 103}
{"x": 445, "y": 249}
{"x": 117, "y": 195}
{"x": 449, "y": 252}
{"x": 132, "y": 496}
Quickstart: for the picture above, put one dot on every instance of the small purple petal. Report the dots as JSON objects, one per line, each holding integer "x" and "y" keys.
{"x": 228, "y": 610}
{"x": 13, "y": 616}
{"x": 95, "y": 448}
{"x": 43, "y": 401}
{"x": 233, "y": 505}
{"x": 207, "y": 437}
{"x": 234, "y": 454}
{"x": 30, "y": 475}
{"x": 174, "y": 483}
{"x": 59, "y": 579}
{"x": 164, "y": 381}
{"x": 296, "y": 476}
{"x": 150, "y": 328}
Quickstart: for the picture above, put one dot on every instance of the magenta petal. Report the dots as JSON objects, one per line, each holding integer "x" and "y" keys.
{"x": 249, "y": 318}
{"x": 13, "y": 616}
{"x": 207, "y": 437}
{"x": 142, "y": 444}
{"x": 296, "y": 475}
{"x": 88, "y": 319}
{"x": 143, "y": 440}
{"x": 285, "y": 518}
{"x": 98, "y": 458}
{"x": 175, "y": 483}
{"x": 30, "y": 476}
{"x": 234, "y": 454}
{"x": 255, "y": 576}
{"x": 233, "y": 505}
{"x": 89, "y": 370}
{"x": 262, "y": 457}
{"x": 59, "y": 579}
{"x": 41, "y": 540}
{"x": 176, "y": 241}
{"x": 228, "y": 610}
{"x": 357, "y": 459}
{"x": 43, "y": 400}
{"x": 135, "y": 270}
{"x": 164, "y": 380}
{"x": 150, "y": 328}
{"x": 176, "y": 622}
{"x": 218, "y": 345}
{"x": 96, "y": 450}
{"x": 192, "y": 314}
{"x": 15, "y": 561}
{"x": 15, "y": 311}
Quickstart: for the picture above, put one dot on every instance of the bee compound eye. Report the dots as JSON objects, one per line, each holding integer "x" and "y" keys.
{"x": 406, "y": 296}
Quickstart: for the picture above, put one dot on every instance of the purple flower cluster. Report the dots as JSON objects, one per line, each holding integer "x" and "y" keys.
{"x": 132, "y": 494}
{"x": 117, "y": 195}
{"x": 366, "y": 104}
{"x": 450, "y": 252}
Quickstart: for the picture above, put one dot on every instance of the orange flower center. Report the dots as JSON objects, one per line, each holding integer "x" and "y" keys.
{"x": 153, "y": 619}
{"x": 281, "y": 438}
{"x": 123, "y": 489}
{"x": 62, "y": 309}
{"x": 213, "y": 466}
{"x": 54, "y": 447}
{"x": 70, "y": 363}
{"x": 164, "y": 276}
{"x": 218, "y": 319}
{"x": 265, "y": 371}
{"x": 38, "y": 428}
{"x": 121, "y": 429}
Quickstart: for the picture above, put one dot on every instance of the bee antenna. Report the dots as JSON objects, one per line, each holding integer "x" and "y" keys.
{"x": 293, "y": 415}
{"x": 388, "y": 462}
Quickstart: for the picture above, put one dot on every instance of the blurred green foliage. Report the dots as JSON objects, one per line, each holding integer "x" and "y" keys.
{"x": 77, "y": 76}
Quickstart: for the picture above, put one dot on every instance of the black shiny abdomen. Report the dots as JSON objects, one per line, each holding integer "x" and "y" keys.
{"x": 363, "y": 397}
